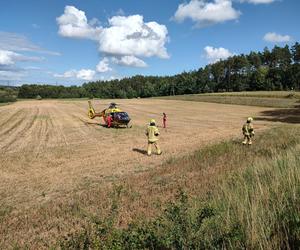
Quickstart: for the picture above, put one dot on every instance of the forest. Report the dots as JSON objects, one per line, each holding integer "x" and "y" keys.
{"x": 276, "y": 69}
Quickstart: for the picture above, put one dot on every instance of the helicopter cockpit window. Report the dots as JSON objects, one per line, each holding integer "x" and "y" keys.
{"x": 123, "y": 116}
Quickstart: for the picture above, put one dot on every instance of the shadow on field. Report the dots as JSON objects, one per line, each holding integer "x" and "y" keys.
{"x": 141, "y": 151}
{"x": 288, "y": 115}
{"x": 95, "y": 124}
{"x": 90, "y": 123}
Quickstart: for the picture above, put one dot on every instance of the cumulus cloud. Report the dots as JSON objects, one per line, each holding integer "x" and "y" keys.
{"x": 86, "y": 74}
{"x": 83, "y": 74}
{"x": 216, "y": 54}
{"x": 131, "y": 61}
{"x": 103, "y": 66}
{"x": 9, "y": 57}
{"x": 123, "y": 41}
{"x": 258, "y": 1}
{"x": 206, "y": 13}
{"x": 132, "y": 36}
{"x": 73, "y": 23}
{"x": 276, "y": 38}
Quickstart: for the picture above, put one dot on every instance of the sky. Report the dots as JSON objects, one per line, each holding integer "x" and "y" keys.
{"x": 72, "y": 42}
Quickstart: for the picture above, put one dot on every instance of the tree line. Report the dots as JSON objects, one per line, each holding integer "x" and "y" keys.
{"x": 8, "y": 94}
{"x": 276, "y": 69}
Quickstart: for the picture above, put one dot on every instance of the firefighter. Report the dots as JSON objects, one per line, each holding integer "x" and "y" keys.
{"x": 152, "y": 134}
{"x": 164, "y": 120}
{"x": 248, "y": 131}
{"x": 109, "y": 120}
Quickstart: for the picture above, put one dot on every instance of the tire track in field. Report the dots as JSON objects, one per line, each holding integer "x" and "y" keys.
{"x": 32, "y": 132}
{"x": 41, "y": 132}
{"x": 58, "y": 124}
{"x": 49, "y": 127}
{"x": 37, "y": 138}
{"x": 19, "y": 132}
{"x": 7, "y": 134}
{"x": 17, "y": 116}
{"x": 46, "y": 132}
{"x": 7, "y": 114}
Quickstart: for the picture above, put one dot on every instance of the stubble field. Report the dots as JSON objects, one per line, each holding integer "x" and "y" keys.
{"x": 51, "y": 151}
{"x": 49, "y": 148}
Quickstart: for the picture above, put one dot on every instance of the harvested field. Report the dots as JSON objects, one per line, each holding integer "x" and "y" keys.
{"x": 51, "y": 151}
{"x": 49, "y": 148}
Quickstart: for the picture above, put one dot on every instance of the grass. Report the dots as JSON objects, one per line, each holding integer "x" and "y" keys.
{"x": 222, "y": 196}
{"x": 276, "y": 99}
{"x": 269, "y": 94}
{"x": 253, "y": 204}
{"x": 264, "y": 200}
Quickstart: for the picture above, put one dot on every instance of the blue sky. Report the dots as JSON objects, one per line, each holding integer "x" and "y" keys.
{"x": 72, "y": 42}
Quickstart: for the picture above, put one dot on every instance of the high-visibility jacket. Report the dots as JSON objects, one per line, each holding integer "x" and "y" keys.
{"x": 248, "y": 129}
{"x": 152, "y": 133}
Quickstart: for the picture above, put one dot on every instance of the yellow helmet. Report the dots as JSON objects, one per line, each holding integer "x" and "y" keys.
{"x": 250, "y": 119}
{"x": 152, "y": 121}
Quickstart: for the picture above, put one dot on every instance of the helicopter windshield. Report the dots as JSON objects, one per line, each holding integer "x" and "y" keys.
{"x": 122, "y": 116}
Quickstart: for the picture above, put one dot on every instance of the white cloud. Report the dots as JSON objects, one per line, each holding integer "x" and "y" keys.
{"x": 258, "y": 1}
{"x": 276, "y": 38}
{"x": 86, "y": 74}
{"x": 108, "y": 78}
{"x": 123, "y": 40}
{"x": 94, "y": 22}
{"x": 9, "y": 69}
{"x": 73, "y": 23}
{"x": 83, "y": 74}
{"x": 9, "y": 57}
{"x": 131, "y": 36}
{"x": 129, "y": 61}
{"x": 206, "y": 13}
{"x": 103, "y": 66}
{"x": 67, "y": 74}
{"x": 216, "y": 54}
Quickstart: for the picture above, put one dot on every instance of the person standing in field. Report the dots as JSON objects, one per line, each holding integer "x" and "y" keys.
{"x": 248, "y": 131}
{"x": 152, "y": 134}
{"x": 109, "y": 120}
{"x": 164, "y": 120}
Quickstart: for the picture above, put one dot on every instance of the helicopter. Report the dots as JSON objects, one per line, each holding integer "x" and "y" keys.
{"x": 119, "y": 117}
